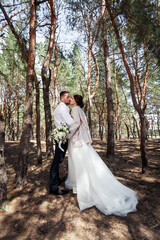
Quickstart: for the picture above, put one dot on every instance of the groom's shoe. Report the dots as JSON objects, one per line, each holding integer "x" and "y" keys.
{"x": 58, "y": 191}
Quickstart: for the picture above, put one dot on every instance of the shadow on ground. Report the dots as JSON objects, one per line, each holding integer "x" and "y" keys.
{"x": 31, "y": 213}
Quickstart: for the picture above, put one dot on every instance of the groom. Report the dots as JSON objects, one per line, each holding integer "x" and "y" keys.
{"x": 61, "y": 115}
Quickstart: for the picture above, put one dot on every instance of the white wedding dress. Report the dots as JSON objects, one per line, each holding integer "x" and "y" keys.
{"x": 94, "y": 183}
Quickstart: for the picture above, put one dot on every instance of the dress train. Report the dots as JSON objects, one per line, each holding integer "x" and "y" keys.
{"x": 95, "y": 185}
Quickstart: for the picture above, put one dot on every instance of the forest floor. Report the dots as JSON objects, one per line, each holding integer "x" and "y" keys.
{"x": 32, "y": 214}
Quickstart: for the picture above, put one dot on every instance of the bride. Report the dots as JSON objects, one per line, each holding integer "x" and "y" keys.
{"x": 88, "y": 176}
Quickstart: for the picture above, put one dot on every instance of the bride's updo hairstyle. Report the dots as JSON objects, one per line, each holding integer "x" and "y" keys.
{"x": 79, "y": 100}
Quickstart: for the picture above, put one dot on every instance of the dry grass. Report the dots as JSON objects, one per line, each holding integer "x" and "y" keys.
{"x": 31, "y": 213}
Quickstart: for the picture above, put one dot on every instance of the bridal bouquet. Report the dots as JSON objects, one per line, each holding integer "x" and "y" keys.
{"x": 60, "y": 134}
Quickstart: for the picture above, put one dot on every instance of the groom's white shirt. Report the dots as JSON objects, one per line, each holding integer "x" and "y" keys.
{"x": 62, "y": 115}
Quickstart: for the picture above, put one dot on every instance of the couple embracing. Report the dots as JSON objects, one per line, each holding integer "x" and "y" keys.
{"x": 88, "y": 176}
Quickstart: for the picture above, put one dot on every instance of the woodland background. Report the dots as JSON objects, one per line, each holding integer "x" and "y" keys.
{"x": 107, "y": 51}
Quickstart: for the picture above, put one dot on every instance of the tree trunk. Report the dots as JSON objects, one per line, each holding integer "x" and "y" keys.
{"x": 116, "y": 131}
{"x": 90, "y": 33}
{"x": 134, "y": 131}
{"x": 46, "y": 81}
{"x": 38, "y": 128}
{"x": 88, "y": 88}
{"x": 137, "y": 106}
{"x": 55, "y": 75}
{"x": 146, "y": 127}
{"x": 17, "y": 36}
{"x": 25, "y": 55}
{"x": 110, "y": 113}
{"x": 143, "y": 143}
{"x": 17, "y": 132}
{"x": 13, "y": 130}
{"x": 118, "y": 124}
{"x": 3, "y": 175}
{"x": 152, "y": 128}
{"x": 89, "y": 115}
{"x": 158, "y": 12}
{"x": 137, "y": 126}
{"x": 23, "y": 153}
{"x": 119, "y": 130}
{"x": 100, "y": 128}
{"x": 14, "y": 123}
{"x": 54, "y": 88}
{"x": 9, "y": 129}
{"x": 47, "y": 109}
{"x": 158, "y": 124}
{"x": 128, "y": 133}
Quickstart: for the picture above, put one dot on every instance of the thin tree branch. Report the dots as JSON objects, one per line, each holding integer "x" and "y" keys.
{"x": 13, "y": 15}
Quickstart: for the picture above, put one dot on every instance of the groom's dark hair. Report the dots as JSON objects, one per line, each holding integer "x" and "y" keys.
{"x": 62, "y": 93}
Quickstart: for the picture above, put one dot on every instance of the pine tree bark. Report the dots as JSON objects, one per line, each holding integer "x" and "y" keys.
{"x": 47, "y": 79}
{"x": 19, "y": 40}
{"x": 137, "y": 126}
{"x": 9, "y": 127}
{"x": 25, "y": 54}
{"x": 23, "y": 154}
{"x": 143, "y": 143}
{"x": 55, "y": 74}
{"x": 110, "y": 112}
{"x": 158, "y": 123}
{"x": 38, "y": 128}
{"x": 100, "y": 128}
{"x": 90, "y": 33}
{"x": 89, "y": 103}
{"x": 48, "y": 119}
{"x": 128, "y": 132}
{"x": 118, "y": 123}
{"x": 3, "y": 175}
{"x": 17, "y": 120}
{"x": 54, "y": 85}
{"x": 128, "y": 116}
{"x": 138, "y": 105}
{"x": 158, "y": 11}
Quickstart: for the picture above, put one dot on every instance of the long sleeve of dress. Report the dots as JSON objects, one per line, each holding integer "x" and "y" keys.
{"x": 77, "y": 122}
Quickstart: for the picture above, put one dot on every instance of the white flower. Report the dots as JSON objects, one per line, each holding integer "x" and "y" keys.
{"x": 61, "y": 133}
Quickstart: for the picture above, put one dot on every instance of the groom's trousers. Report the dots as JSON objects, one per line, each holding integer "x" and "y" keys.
{"x": 54, "y": 171}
